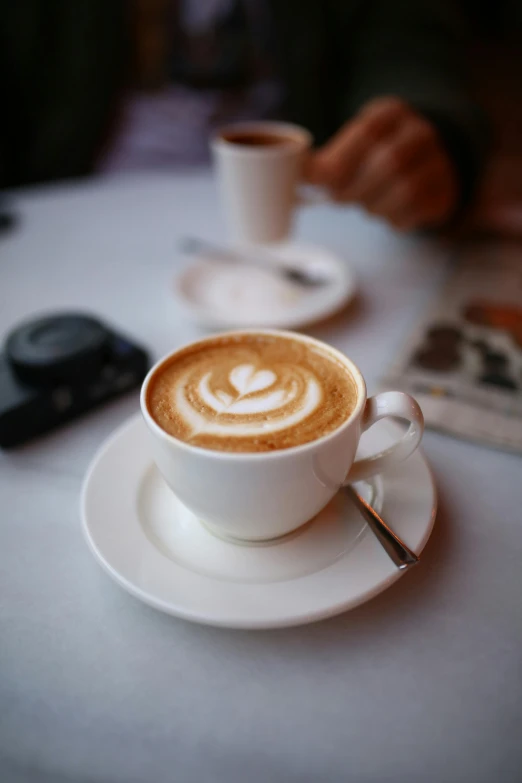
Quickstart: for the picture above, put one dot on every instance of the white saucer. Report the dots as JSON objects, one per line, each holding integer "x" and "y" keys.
{"x": 158, "y": 551}
{"x": 220, "y": 295}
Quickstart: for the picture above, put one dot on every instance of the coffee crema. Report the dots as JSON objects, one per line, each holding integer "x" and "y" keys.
{"x": 251, "y": 393}
{"x": 259, "y": 138}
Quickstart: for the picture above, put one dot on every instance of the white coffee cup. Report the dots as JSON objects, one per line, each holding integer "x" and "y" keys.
{"x": 258, "y": 184}
{"x": 263, "y": 495}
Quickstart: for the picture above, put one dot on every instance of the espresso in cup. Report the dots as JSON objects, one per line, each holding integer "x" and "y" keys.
{"x": 251, "y": 393}
{"x": 259, "y": 138}
{"x": 259, "y": 166}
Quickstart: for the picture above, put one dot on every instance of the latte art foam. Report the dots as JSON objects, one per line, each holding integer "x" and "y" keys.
{"x": 251, "y": 393}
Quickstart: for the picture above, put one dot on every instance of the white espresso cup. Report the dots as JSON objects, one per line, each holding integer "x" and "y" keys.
{"x": 263, "y": 495}
{"x": 258, "y": 181}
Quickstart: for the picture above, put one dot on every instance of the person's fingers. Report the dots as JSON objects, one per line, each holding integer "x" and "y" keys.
{"x": 425, "y": 197}
{"x": 338, "y": 160}
{"x": 391, "y": 159}
{"x": 433, "y": 171}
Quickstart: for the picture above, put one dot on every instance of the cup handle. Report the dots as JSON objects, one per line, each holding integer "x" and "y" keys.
{"x": 390, "y": 403}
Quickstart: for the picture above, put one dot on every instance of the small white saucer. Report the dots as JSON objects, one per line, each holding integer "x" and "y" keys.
{"x": 220, "y": 295}
{"x": 158, "y": 551}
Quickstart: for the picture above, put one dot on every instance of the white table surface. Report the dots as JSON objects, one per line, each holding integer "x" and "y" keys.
{"x": 423, "y": 683}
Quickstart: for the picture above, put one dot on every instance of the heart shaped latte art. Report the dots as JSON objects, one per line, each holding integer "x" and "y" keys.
{"x": 247, "y": 400}
{"x": 246, "y": 379}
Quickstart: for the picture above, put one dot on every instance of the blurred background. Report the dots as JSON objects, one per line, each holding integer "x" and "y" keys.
{"x": 92, "y": 88}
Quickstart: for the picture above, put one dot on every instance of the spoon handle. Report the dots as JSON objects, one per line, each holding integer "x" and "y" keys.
{"x": 193, "y": 246}
{"x": 396, "y": 549}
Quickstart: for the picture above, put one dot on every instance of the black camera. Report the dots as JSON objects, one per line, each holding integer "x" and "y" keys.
{"x": 57, "y": 367}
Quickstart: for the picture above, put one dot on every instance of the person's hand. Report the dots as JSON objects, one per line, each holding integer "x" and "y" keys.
{"x": 390, "y": 160}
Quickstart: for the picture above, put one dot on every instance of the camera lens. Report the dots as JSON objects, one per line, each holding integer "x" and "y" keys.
{"x": 57, "y": 348}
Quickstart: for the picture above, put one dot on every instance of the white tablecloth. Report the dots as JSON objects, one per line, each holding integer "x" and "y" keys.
{"x": 423, "y": 683}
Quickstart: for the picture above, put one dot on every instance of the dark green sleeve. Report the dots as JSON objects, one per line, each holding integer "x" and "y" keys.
{"x": 416, "y": 50}
{"x": 62, "y": 67}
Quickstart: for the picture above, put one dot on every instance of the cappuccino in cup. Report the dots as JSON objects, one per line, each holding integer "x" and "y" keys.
{"x": 256, "y": 430}
{"x": 251, "y": 393}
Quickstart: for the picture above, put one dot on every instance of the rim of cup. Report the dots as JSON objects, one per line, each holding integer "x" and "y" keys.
{"x": 299, "y": 139}
{"x": 256, "y": 455}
